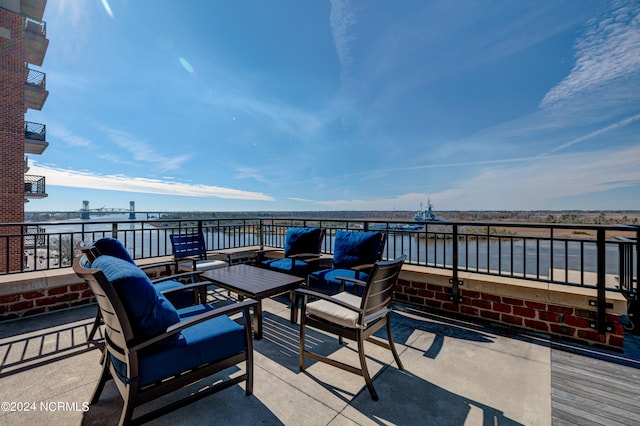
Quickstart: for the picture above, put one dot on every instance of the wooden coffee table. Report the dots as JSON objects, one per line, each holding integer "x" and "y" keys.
{"x": 256, "y": 283}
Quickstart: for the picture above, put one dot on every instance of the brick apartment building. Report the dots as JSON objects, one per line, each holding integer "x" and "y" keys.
{"x": 23, "y": 44}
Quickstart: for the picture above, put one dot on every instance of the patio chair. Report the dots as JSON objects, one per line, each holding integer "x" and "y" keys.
{"x": 300, "y": 244}
{"x": 190, "y": 253}
{"x": 152, "y": 349}
{"x": 114, "y": 247}
{"x": 353, "y": 317}
{"x": 354, "y": 254}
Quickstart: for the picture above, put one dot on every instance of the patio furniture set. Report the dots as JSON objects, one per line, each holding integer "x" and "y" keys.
{"x": 162, "y": 335}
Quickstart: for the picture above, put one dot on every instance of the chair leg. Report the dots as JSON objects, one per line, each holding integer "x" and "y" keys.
{"x": 392, "y": 345}
{"x": 302, "y": 333}
{"x": 364, "y": 369}
{"x": 128, "y": 407}
{"x": 106, "y": 375}
{"x": 96, "y": 325}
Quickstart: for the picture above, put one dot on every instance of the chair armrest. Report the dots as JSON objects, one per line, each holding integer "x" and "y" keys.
{"x": 176, "y": 276}
{"x": 327, "y": 297}
{"x": 362, "y": 267}
{"x": 191, "y": 321}
{"x": 167, "y": 265}
{"x": 320, "y": 263}
{"x": 353, "y": 280}
{"x": 304, "y": 256}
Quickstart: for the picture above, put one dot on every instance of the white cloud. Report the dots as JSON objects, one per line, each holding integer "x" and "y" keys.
{"x": 67, "y": 137}
{"x": 534, "y": 183}
{"x": 107, "y": 8}
{"x": 77, "y": 179}
{"x": 598, "y": 132}
{"x": 342, "y": 19}
{"x": 609, "y": 50}
{"x": 143, "y": 152}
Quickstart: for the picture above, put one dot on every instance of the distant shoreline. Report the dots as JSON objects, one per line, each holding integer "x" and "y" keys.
{"x": 605, "y": 217}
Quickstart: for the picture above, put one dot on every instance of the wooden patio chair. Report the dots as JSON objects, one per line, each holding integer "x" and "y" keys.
{"x": 152, "y": 349}
{"x": 353, "y": 317}
{"x": 354, "y": 253}
{"x": 113, "y": 247}
{"x": 300, "y": 245}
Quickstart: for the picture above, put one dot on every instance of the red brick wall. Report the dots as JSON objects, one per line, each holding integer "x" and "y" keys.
{"x": 40, "y": 301}
{"x": 567, "y": 322}
{"x": 12, "y": 81}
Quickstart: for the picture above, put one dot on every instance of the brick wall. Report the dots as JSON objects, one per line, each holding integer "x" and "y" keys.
{"x": 565, "y": 321}
{"x": 40, "y": 301}
{"x": 12, "y": 108}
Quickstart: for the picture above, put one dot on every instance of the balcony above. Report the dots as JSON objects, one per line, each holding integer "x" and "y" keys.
{"x": 35, "y": 141}
{"x": 34, "y": 187}
{"x": 35, "y": 93}
{"x": 35, "y": 41}
{"x": 33, "y": 8}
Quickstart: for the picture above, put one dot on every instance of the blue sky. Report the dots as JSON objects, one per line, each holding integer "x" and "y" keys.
{"x": 341, "y": 105}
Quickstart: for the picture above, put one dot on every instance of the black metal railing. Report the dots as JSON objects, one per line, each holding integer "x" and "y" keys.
{"x": 35, "y": 131}
{"x": 36, "y": 78}
{"x": 601, "y": 257}
{"x": 34, "y": 186}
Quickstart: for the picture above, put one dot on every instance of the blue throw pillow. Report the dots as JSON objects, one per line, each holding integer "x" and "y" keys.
{"x": 302, "y": 240}
{"x": 113, "y": 247}
{"x": 356, "y": 248}
{"x": 150, "y": 313}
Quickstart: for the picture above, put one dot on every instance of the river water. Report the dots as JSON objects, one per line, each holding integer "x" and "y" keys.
{"x": 517, "y": 256}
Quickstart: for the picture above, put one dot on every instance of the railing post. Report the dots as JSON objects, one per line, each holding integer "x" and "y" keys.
{"x": 114, "y": 230}
{"x": 455, "y": 282}
{"x": 261, "y": 230}
{"x": 602, "y": 299}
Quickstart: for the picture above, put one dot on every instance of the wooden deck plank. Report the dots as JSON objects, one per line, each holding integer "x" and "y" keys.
{"x": 591, "y": 390}
{"x": 623, "y": 402}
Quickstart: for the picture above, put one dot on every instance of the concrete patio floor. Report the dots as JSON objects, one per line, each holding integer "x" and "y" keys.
{"x": 456, "y": 373}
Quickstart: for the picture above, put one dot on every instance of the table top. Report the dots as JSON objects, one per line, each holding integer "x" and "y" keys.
{"x": 252, "y": 281}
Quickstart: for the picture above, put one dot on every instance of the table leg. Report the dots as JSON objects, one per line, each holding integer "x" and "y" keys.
{"x": 257, "y": 321}
{"x": 294, "y": 307}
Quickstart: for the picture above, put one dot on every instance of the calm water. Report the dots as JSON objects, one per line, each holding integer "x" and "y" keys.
{"x": 517, "y": 256}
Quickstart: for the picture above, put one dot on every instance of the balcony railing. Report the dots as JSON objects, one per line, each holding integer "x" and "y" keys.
{"x": 35, "y": 135}
{"x": 35, "y": 89}
{"x": 600, "y": 257}
{"x": 36, "y": 42}
{"x": 34, "y": 186}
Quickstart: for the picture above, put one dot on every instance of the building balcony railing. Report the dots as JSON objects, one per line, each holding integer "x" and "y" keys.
{"x": 35, "y": 137}
{"x": 36, "y": 92}
{"x": 36, "y": 42}
{"x": 601, "y": 258}
{"x": 34, "y": 187}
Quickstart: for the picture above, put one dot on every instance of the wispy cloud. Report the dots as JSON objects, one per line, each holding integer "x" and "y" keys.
{"x": 550, "y": 181}
{"x": 342, "y": 19}
{"x": 615, "y": 126}
{"x": 610, "y": 49}
{"x": 107, "y": 8}
{"x": 142, "y": 151}
{"x": 68, "y": 137}
{"x": 77, "y": 179}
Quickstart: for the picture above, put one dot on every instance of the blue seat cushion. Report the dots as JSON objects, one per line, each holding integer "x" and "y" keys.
{"x": 286, "y": 266}
{"x": 302, "y": 240}
{"x": 328, "y": 282}
{"x": 179, "y": 299}
{"x": 149, "y": 312}
{"x": 113, "y": 247}
{"x": 356, "y": 248}
{"x": 206, "y": 342}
